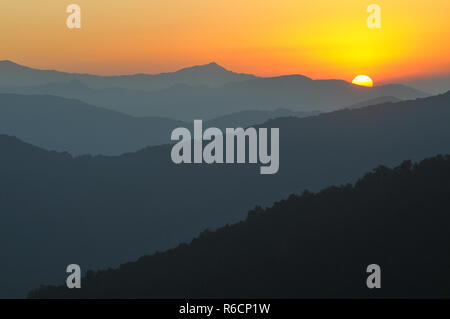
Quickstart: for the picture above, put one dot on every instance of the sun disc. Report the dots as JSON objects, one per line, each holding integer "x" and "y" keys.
{"x": 363, "y": 80}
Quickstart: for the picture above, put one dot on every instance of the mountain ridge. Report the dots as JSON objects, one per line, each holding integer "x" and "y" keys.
{"x": 82, "y": 128}
{"x": 277, "y": 253}
{"x": 188, "y": 101}
{"x": 65, "y": 124}
{"x": 118, "y": 208}
{"x": 210, "y": 74}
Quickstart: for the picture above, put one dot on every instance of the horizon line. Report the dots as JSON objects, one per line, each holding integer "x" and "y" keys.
{"x": 378, "y": 83}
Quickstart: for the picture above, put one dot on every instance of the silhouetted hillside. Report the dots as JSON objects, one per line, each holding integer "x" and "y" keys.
{"x": 313, "y": 245}
{"x": 375, "y": 101}
{"x": 101, "y": 211}
{"x": 62, "y": 124}
{"x": 436, "y": 84}
{"x": 69, "y": 125}
{"x": 212, "y": 74}
{"x": 187, "y": 100}
{"x": 249, "y": 118}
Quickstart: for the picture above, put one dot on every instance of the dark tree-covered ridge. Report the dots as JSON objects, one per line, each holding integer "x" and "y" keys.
{"x": 102, "y": 211}
{"x": 309, "y": 245}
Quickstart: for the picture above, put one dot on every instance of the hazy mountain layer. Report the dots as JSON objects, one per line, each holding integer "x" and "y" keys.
{"x": 188, "y": 100}
{"x": 73, "y": 126}
{"x": 251, "y": 117}
{"x": 12, "y": 74}
{"x": 61, "y": 124}
{"x": 308, "y": 246}
{"x": 375, "y": 101}
{"x": 100, "y": 211}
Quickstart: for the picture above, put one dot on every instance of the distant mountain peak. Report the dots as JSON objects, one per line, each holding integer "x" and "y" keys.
{"x": 294, "y": 77}
{"x": 217, "y": 66}
{"x": 210, "y": 67}
{"x": 6, "y": 62}
{"x": 10, "y": 65}
{"x": 211, "y": 74}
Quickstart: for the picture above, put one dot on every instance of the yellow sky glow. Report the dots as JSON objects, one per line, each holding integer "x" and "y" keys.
{"x": 320, "y": 39}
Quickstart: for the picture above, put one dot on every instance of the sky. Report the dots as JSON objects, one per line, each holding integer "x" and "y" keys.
{"x": 317, "y": 38}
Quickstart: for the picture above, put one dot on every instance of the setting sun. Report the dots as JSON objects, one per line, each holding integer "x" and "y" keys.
{"x": 363, "y": 80}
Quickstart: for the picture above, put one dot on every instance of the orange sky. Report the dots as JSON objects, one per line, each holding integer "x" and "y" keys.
{"x": 317, "y": 38}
